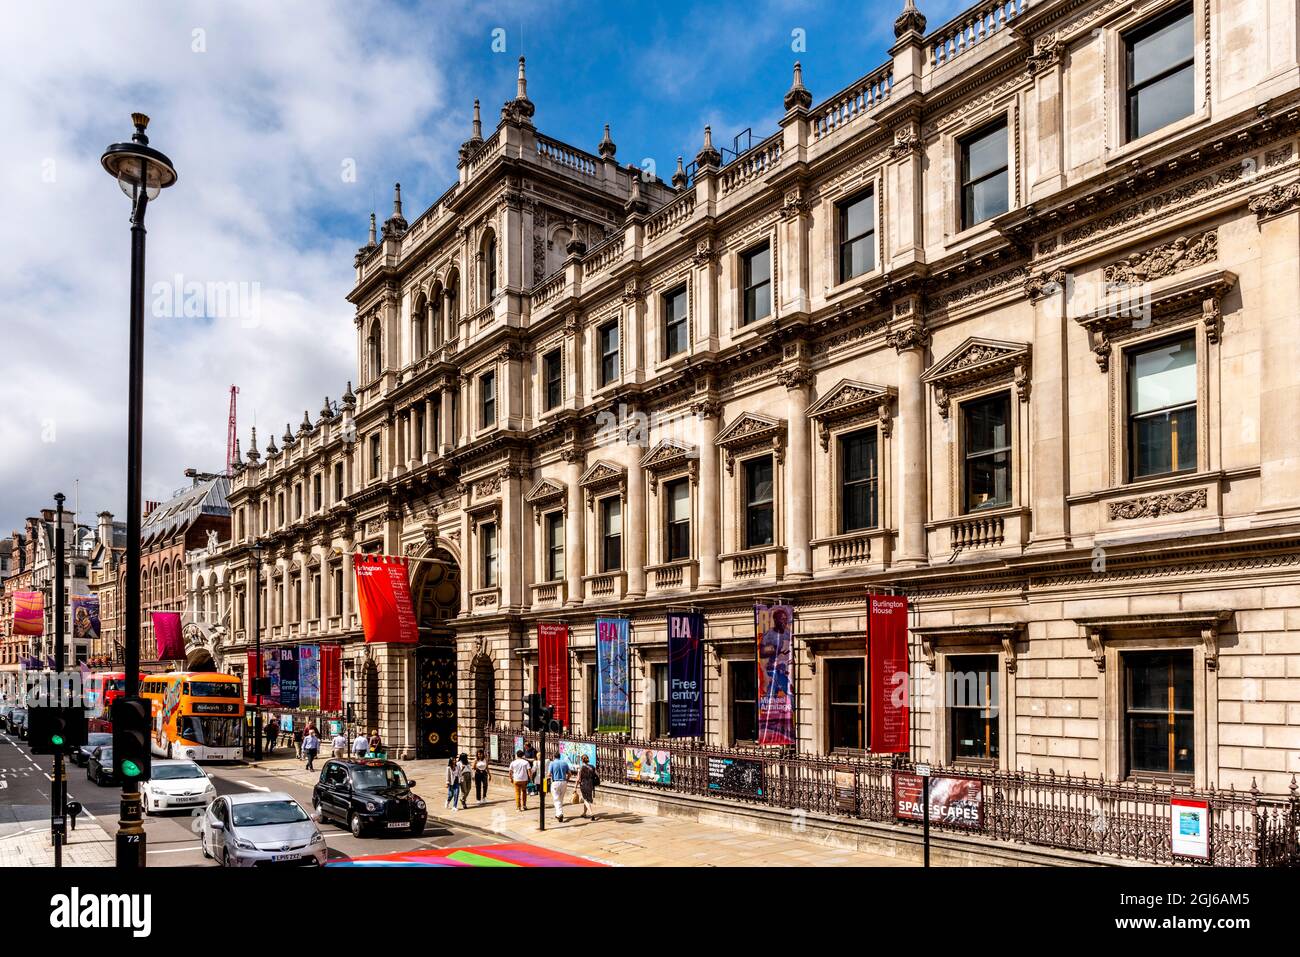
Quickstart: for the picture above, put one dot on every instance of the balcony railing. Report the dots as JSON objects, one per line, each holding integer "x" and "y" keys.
{"x": 853, "y": 103}
{"x": 671, "y": 215}
{"x": 972, "y": 28}
{"x": 563, "y": 155}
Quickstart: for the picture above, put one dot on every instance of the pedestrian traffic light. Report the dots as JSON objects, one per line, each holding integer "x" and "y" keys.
{"x": 56, "y": 730}
{"x": 533, "y": 713}
{"x": 548, "y": 720}
{"x": 132, "y": 722}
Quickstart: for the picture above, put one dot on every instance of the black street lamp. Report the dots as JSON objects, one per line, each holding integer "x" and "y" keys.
{"x": 142, "y": 172}
{"x": 256, "y": 677}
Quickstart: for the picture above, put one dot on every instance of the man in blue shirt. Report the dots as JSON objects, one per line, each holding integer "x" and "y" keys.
{"x": 558, "y": 771}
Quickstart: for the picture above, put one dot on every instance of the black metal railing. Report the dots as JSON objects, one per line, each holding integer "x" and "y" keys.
{"x": 1125, "y": 820}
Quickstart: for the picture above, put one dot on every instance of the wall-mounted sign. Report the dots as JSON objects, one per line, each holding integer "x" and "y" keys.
{"x": 1190, "y": 828}
{"x": 735, "y": 777}
{"x": 956, "y": 802}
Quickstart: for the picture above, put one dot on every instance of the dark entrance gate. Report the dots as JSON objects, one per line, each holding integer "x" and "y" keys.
{"x": 435, "y": 713}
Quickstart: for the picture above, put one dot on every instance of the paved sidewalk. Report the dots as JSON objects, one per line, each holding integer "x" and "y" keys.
{"x": 617, "y": 837}
{"x": 29, "y": 846}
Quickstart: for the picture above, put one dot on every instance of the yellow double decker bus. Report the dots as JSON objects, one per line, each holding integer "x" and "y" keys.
{"x": 196, "y": 715}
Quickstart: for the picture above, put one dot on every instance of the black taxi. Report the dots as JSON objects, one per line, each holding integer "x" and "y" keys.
{"x": 369, "y": 795}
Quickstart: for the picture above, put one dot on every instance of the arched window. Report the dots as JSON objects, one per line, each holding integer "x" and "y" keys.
{"x": 419, "y": 324}
{"x": 166, "y": 583}
{"x": 558, "y": 250}
{"x": 489, "y": 266}
{"x": 433, "y": 316}
{"x": 374, "y": 350}
{"x": 453, "y": 303}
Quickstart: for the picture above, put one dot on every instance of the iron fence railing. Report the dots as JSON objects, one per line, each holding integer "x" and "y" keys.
{"x": 1125, "y": 820}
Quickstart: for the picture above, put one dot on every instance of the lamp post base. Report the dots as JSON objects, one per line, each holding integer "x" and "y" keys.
{"x": 130, "y": 842}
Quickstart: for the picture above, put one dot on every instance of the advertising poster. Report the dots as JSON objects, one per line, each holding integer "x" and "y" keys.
{"x": 887, "y": 668}
{"x": 167, "y": 635}
{"x": 29, "y": 613}
{"x": 846, "y": 791}
{"x": 685, "y": 675}
{"x": 572, "y": 751}
{"x": 331, "y": 678}
{"x": 735, "y": 777}
{"x": 613, "y": 702}
{"x": 288, "y": 697}
{"x": 271, "y": 672}
{"x": 494, "y": 748}
{"x": 955, "y": 802}
{"x": 646, "y": 764}
{"x": 309, "y": 677}
{"x": 553, "y": 674}
{"x": 1190, "y": 828}
{"x": 85, "y": 617}
{"x": 384, "y": 598}
{"x": 773, "y": 626}
{"x": 519, "y": 744}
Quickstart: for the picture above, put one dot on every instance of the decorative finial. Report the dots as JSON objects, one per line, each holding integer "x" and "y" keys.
{"x": 679, "y": 176}
{"x": 397, "y": 199}
{"x": 306, "y": 422}
{"x": 911, "y": 20}
{"x": 798, "y": 97}
{"x": 326, "y": 410}
{"x": 141, "y": 123}
{"x": 253, "y": 454}
{"x": 395, "y": 225}
{"x": 287, "y": 438}
{"x": 372, "y": 229}
{"x": 708, "y": 156}
{"x": 521, "y": 92}
{"x": 606, "y": 148}
{"x": 478, "y": 122}
{"x": 575, "y": 246}
{"x": 349, "y": 399}
{"x": 635, "y": 203}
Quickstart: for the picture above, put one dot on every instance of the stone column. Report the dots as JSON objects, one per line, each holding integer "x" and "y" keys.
{"x": 1050, "y": 449}
{"x": 446, "y": 426}
{"x": 469, "y": 569}
{"x": 431, "y": 419}
{"x": 710, "y": 509}
{"x": 511, "y": 539}
{"x": 574, "y": 528}
{"x": 798, "y": 485}
{"x": 910, "y": 341}
{"x": 636, "y": 520}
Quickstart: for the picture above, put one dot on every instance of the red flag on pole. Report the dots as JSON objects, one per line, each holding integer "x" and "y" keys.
{"x": 553, "y": 657}
{"x": 384, "y": 597}
{"x": 167, "y": 635}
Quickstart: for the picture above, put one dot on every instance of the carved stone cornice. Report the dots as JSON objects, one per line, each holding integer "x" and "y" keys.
{"x": 796, "y": 377}
{"x": 1175, "y": 256}
{"x": 795, "y": 202}
{"x": 706, "y": 251}
{"x": 978, "y": 362}
{"x": 749, "y": 431}
{"x": 1154, "y": 506}
{"x": 546, "y": 493}
{"x": 914, "y": 336}
{"x": 1279, "y": 199}
{"x": 850, "y": 400}
{"x": 1003, "y": 633}
{"x": 1040, "y": 285}
{"x": 1047, "y": 53}
{"x": 907, "y": 142}
{"x": 1205, "y": 625}
{"x": 707, "y": 408}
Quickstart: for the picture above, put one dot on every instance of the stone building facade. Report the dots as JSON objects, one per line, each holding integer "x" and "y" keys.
{"x": 1007, "y": 325}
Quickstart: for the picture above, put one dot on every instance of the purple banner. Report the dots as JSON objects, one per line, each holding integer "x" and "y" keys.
{"x": 167, "y": 635}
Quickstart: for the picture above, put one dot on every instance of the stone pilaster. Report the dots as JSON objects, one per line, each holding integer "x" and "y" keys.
{"x": 575, "y": 527}
{"x": 710, "y": 509}
{"x": 909, "y": 339}
{"x": 636, "y": 522}
{"x": 798, "y": 461}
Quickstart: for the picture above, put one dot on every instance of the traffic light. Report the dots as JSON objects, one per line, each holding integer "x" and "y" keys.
{"x": 548, "y": 720}
{"x": 55, "y": 730}
{"x": 132, "y": 723}
{"x": 533, "y": 712}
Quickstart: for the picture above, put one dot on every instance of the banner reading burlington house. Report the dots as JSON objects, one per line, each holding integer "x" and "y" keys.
{"x": 384, "y": 598}
{"x": 685, "y": 675}
{"x": 887, "y": 657}
{"x": 553, "y": 661}
{"x": 613, "y": 703}
{"x": 775, "y": 637}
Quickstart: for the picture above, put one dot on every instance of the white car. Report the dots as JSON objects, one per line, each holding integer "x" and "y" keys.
{"x": 176, "y": 784}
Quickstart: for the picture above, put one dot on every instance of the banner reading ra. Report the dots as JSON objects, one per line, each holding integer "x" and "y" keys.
{"x": 685, "y": 675}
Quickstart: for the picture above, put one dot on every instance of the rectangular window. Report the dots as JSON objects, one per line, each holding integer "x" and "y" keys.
{"x": 266, "y": 517}
{"x": 279, "y": 508}
{"x": 419, "y": 432}
{"x": 487, "y": 397}
{"x": 858, "y": 481}
{"x": 593, "y": 699}
{"x": 659, "y": 700}
{"x": 675, "y": 331}
{"x": 611, "y": 533}
{"x": 376, "y": 459}
{"x": 297, "y": 501}
{"x": 1162, "y": 408}
{"x": 338, "y": 589}
{"x": 744, "y": 701}
{"x": 757, "y": 269}
{"x": 317, "y": 490}
{"x": 490, "y": 268}
{"x": 677, "y": 531}
{"x": 988, "y": 452}
{"x": 1159, "y": 715}
{"x": 1160, "y": 64}
{"x": 758, "y": 502}
{"x": 554, "y": 546}
{"x": 609, "y": 364}
{"x": 487, "y": 537}
{"x": 857, "y": 226}
{"x": 316, "y": 597}
{"x": 973, "y": 708}
{"x": 846, "y": 703}
{"x": 554, "y": 375}
{"x": 338, "y": 482}
{"x": 984, "y": 177}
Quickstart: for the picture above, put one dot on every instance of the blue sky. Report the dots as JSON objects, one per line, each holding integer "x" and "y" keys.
{"x": 263, "y": 107}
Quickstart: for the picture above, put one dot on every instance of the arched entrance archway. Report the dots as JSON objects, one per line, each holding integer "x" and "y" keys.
{"x": 198, "y": 654}
{"x": 436, "y": 596}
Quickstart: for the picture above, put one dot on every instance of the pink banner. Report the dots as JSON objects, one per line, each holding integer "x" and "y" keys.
{"x": 29, "y": 613}
{"x": 167, "y": 633}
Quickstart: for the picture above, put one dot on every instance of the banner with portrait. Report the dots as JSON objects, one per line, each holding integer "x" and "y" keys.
{"x": 309, "y": 677}
{"x": 384, "y": 599}
{"x": 888, "y": 668}
{"x": 167, "y": 635}
{"x": 613, "y": 701}
{"x": 29, "y": 613}
{"x": 774, "y": 638}
{"x": 649, "y": 765}
{"x": 553, "y": 671}
{"x": 85, "y": 617}
{"x": 685, "y": 674}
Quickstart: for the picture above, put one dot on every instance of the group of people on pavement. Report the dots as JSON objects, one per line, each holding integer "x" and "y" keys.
{"x": 460, "y": 773}
{"x": 523, "y": 773}
{"x": 307, "y": 742}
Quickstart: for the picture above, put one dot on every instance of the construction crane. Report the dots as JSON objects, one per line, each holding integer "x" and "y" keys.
{"x": 231, "y": 438}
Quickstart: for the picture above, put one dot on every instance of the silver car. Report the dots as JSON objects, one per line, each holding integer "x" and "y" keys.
{"x": 259, "y": 830}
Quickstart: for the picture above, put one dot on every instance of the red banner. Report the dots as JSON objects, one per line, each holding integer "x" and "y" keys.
{"x": 250, "y": 675}
{"x": 167, "y": 635}
{"x": 331, "y": 678}
{"x": 887, "y": 665}
{"x": 553, "y": 673}
{"x": 384, "y": 597}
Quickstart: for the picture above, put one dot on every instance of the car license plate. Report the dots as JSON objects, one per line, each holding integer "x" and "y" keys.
{"x": 285, "y": 857}
{"x": 399, "y": 824}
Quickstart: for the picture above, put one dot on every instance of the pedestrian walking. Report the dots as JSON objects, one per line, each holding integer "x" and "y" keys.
{"x": 558, "y": 773}
{"x": 310, "y": 747}
{"x": 339, "y": 745}
{"x": 588, "y": 781}
{"x": 297, "y": 740}
{"x": 376, "y": 745}
{"x": 453, "y": 784}
{"x": 530, "y": 753}
{"x": 520, "y": 771}
{"x": 466, "y": 775}
{"x": 272, "y": 731}
{"x": 360, "y": 745}
{"x": 480, "y": 778}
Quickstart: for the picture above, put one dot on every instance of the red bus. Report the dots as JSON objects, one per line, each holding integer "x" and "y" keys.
{"x": 103, "y": 688}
